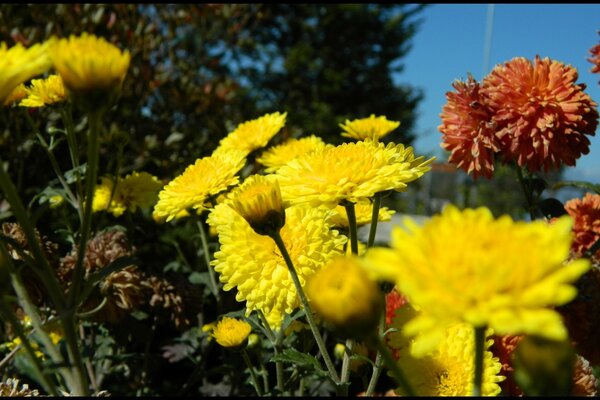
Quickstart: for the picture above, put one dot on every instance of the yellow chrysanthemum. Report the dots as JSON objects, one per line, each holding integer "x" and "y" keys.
{"x": 254, "y": 134}
{"x": 138, "y": 189}
{"x": 253, "y": 263}
{"x": 208, "y": 176}
{"x": 363, "y": 211}
{"x": 372, "y": 128}
{"x": 16, "y": 95}
{"x": 344, "y": 296}
{"x": 466, "y": 266}
{"x": 43, "y": 92}
{"x": 279, "y": 155}
{"x": 448, "y": 369}
{"x": 18, "y": 64}
{"x": 351, "y": 171}
{"x": 231, "y": 332}
{"x": 88, "y": 62}
{"x": 258, "y": 201}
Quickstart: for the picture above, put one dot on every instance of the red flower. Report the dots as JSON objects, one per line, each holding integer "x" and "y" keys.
{"x": 467, "y": 130}
{"x": 595, "y": 58}
{"x": 541, "y": 114}
{"x": 586, "y": 227}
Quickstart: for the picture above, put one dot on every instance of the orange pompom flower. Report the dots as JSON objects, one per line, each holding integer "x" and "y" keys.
{"x": 542, "y": 115}
{"x": 595, "y": 58}
{"x": 467, "y": 130}
{"x": 586, "y": 226}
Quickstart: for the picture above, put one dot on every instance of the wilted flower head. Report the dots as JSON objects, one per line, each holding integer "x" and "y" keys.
{"x": 467, "y": 130}
{"x": 11, "y": 388}
{"x": 586, "y": 227}
{"x": 18, "y": 64}
{"x": 542, "y": 115}
{"x": 373, "y": 128}
{"x": 253, "y": 264}
{"x": 345, "y": 297}
{"x": 231, "y": 332}
{"x": 44, "y": 92}
{"x": 254, "y": 134}
{"x": 207, "y": 177}
{"x": 136, "y": 190}
{"x": 448, "y": 368}
{"x": 258, "y": 201}
{"x": 279, "y": 155}
{"x": 467, "y": 259}
{"x": 351, "y": 171}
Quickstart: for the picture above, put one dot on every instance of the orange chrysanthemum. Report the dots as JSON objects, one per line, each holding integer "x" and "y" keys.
{"x": 542, "y": 115}
{"x": 586, "y": 227}
{"x": 467, "y": 130}
{"x": 595, "y": 58}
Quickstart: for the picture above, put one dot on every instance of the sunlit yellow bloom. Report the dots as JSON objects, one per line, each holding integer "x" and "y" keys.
{"x": 448, "y": 369}
{"x": 351, "y": 171}
{"x": 43, "y": 92}
{"x": 208, "y": 176}
{"x": 466, "y": 266}
{"x": 253, "y": 264}
{"x": 18, "y": 64}
{"x": 89, "y": 63}
{"x": 276, "y": 156}
{"x": 258, "y": 201}
{"x": 54, "y": 332}
{"x": 363, "y": 211}
{"x": 344, "y": 296}
{"x": 138, "y": 189}
{"x": 254, "y": 134}
{"x": 231, "y": 332}
{"x": 56, "y": 201}
{"x": 16, "y": 95}
{"x": 368, "y": 128}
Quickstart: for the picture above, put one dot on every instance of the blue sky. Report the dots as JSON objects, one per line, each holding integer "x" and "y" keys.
{"x": 450, "y": 44}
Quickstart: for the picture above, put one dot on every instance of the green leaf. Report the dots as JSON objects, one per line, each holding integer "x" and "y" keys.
{"x": 302, "y": 360}
{"x": 75, "y": 174}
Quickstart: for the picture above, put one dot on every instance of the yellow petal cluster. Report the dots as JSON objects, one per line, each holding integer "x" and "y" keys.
{"x": 231, "y": 332}
{"x": 467, "y": 266}
{"x": 254, "y": 134}
{"x": 279, "y": 155}
{"x": 16, "y": 95}
{"x": 372, "y": 128}
{"x": 19, "y": 64}
{"x": 258, "y": 201}
{"x": 350, "y": 171}
{"x": 448, "y": 369}
{"x": 89, "y": 63}
{"x": 253, "y": 264}
{"x": 208, "y": 176}
{"x": 138, "y": 189}
{"x": 43, "y": 92}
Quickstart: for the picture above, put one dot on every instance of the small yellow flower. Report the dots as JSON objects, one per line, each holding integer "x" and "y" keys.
{"x": 279, "y": 155}
{"x": 56, "y": 201}
{"x": 18, "y": 64}
{"x": 43, "y": 92}
{"x": 138, "y": 189}
{"x": 231, "y": 332}
{"x": 258, "y": 201}
{"x": 16, "y": 95}
{"x": 207, "y": 177}
{"x": 344, "y": 296}
{"x": 448, "y": 369}
{"x": 254, "y": 134}
{"x": 373, "y": 128}
{"x": 466, "y": 266}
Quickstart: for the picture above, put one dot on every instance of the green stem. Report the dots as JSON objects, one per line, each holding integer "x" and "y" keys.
{"x": 48, "y": 385}
{"x": 72, "y": 143}
{"x": 276, "y": 342}
{"x": 214, "y": 286}
{"x": 378, "y": 358}
{"x": 252, "y": 373}
{"x": 374, "y": 219}
{"x": 526, "y": 191}
{"x": 350, "y": 212}
{"x": 479, "y": 350}
{"x": 309, "y": 316}
{"x": 392, "y": 365}
{"x": 345, "y": 373}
